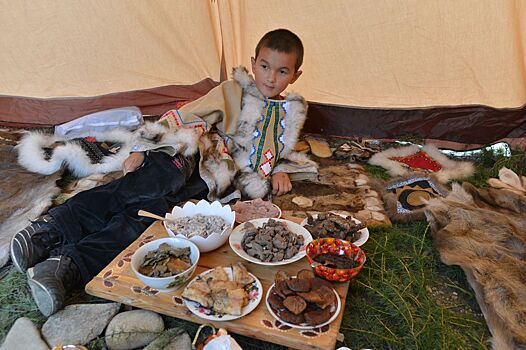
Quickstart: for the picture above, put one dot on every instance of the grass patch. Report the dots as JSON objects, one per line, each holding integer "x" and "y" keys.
{"x": 15, "y": 302}
{"x": 394, "y": 304}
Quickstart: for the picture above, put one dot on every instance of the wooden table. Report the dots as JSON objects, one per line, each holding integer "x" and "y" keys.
{"x": 117, "y": 282}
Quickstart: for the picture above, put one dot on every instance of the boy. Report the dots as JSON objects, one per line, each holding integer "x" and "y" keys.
{"x": 235, "y": 141}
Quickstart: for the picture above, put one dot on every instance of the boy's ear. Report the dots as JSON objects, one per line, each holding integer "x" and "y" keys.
{"x": 296, "y": 76}
{"x": 253, "y": 61}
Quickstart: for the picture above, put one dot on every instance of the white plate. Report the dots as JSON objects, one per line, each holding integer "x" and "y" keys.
{"x": 237, "y": 236}
{"x": 334, "y": 308}
{"x": 364, "y": 232}
{"x": 255, "y": 294}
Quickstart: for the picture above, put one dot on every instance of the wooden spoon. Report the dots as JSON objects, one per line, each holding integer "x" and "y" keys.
{"x": 152, "y": 215}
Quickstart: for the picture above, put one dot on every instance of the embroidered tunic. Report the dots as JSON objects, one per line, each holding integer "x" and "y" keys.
{"x": 267, "y": 142}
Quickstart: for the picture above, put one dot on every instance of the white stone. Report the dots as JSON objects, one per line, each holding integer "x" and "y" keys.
{"x": 133, "y": 329}
{"x": 24, "y": 335}
{"x": 78, "y": 324}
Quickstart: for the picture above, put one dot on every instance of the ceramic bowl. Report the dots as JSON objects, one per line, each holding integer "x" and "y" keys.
{"x": 335, "y": 247}
{"x": 165, "y": 284}
{"x": 215, "y": 239}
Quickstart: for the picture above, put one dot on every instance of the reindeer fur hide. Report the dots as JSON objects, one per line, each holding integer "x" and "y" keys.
{"x": 484, "y": 232}
{"x": 24, "y": 195}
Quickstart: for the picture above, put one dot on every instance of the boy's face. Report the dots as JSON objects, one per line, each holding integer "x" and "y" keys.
{"x": 274, "y": 71}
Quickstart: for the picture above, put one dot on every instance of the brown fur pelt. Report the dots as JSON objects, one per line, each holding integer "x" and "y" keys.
{"x": 23, "y": 195}
{"x": 484, "y": 232}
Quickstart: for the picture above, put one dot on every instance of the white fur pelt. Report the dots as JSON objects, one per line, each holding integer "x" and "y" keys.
{"x": 451, "y": 169}
{"x": 71, "y": 155}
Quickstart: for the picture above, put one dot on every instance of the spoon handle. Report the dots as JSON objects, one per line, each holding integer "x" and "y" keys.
{"x": 150, "y": 215}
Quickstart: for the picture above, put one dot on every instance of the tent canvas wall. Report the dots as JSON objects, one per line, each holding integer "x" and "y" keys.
{"x": 451, "y": 70}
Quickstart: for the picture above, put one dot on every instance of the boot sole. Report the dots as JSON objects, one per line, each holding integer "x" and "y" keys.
{"x": 20, "y": 240}
{"x": 46, "y": 302}
{"x": 16, "y": 257}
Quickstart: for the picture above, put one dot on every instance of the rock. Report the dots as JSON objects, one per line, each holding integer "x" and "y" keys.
{"x": 133, "y": 329}
{"x": 373, "y": 208}
{"x": 371, "y": 193}
{"x": 354, "y": 166}
{"x": 171, "y": 339}
{"x": 360, "y": 182}
{"x": 364, "y": 215}
{"x": 372, "y": 201}
{"x": 78, "y": 324}
{"x": 302, "y": 202}
{"x": 24, "y": 332}
{"x": 378, "y": 216}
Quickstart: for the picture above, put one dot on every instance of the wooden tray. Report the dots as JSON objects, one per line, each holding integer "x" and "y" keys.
{"x": 117, "y": 282}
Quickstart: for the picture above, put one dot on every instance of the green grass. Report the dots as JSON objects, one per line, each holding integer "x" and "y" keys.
{"x": 15, "y": 302}
{"x": 392, "y": 304}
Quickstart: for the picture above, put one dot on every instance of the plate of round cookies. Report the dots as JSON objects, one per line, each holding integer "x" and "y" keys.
{"x": 303, "y": 301}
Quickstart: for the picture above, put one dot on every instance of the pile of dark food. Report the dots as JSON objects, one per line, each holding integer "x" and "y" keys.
{"x": 271, "y": 242}
{"x": 335, "y": 261}
{"x": 166, "y": 261}
{"x": 304, "y": 300}
{"x": 254, "y": 209}
{"x": 334, "y": 226}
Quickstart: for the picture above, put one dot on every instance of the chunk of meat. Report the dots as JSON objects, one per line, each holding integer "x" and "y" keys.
{"x": 299, "y": 285}
{"x": 317, "y": 317}
{"x": 289, "y": 317}
{"x": 295, "y": 304}
{"x": 275, "y": 301}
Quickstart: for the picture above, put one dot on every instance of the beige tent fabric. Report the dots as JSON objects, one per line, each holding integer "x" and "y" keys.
{"x": 387, "y": 53}
{"x": 382, "y": 53}
{"x": 56, "y": 48}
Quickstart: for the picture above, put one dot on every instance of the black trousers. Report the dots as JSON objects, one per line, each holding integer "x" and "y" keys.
{"x": 99, "y": 223}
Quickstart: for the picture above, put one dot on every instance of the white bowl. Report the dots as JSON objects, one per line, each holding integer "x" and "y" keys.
{"x": 165, "y": 284}
{"x": 215, "y": 239}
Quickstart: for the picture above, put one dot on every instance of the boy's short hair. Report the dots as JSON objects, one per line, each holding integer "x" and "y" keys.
{"x": 282, "y": 40}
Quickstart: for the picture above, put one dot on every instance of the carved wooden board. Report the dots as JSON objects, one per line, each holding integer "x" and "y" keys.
{"x": 117, "y": 282}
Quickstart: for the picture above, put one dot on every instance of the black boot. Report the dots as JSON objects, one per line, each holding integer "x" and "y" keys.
{"x": 51, "y": 281}
{"x": 33, "y": 244}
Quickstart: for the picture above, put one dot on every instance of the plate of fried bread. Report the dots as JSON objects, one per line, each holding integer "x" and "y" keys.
{"x": 303, "y": 301}
{"x": 223, "y": 293}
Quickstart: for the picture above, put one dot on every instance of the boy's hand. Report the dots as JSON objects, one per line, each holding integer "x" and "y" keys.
{"x": 133, "y": 161}
{"x": 281, "y": 184}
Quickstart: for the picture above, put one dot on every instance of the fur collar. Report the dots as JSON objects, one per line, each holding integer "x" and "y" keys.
{"x": 252, "y": 104}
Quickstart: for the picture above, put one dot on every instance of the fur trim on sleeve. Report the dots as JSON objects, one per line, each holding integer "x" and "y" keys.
{"x": 252, "y": 185}
{"x": 184, "y": 140}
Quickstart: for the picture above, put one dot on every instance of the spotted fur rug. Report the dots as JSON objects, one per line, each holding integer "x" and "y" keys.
{"x": 484, "y": 232}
